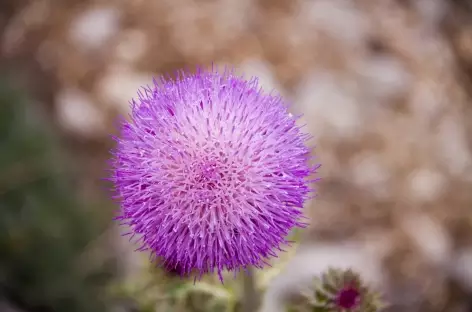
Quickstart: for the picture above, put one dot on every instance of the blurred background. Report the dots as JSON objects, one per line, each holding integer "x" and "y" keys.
{"x": 386, "y": 89}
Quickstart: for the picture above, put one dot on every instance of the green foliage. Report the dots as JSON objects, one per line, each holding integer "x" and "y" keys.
{"x": 44, "y": 225}
{"x": 155, "y": 290}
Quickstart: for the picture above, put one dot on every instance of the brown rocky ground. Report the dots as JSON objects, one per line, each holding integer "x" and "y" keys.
{"x": 385, "y": 87}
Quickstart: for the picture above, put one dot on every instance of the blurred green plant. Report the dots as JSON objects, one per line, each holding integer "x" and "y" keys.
{"x": 44, "y": 224}
{"x": 156, "y": 290}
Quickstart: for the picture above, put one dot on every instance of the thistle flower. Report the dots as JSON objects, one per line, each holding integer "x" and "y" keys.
{"x": 210, "y": 172}
{"x": 343, "y": 291}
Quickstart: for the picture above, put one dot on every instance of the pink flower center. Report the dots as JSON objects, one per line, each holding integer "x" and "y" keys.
{"x": 208, "y": 171}
{"x": 208, "y": 175}
{"x": 348, "y": 298}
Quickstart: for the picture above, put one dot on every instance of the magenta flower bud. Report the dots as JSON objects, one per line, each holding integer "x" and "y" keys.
{"x": 348, "y": 297}
{"x": 211, "y": 173}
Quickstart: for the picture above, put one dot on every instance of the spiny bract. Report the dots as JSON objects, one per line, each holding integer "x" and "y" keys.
{"x": 210, "y": 172}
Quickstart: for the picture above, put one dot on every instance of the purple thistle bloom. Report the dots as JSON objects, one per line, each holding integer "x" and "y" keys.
{"x": 211, "y": 174}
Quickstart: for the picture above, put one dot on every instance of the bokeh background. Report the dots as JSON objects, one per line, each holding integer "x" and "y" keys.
{"x": 386, "y": 90}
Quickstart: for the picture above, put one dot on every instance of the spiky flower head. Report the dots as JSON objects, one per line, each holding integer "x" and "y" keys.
{"x": 343, "y": 291}
{"x": 210, "y": 172}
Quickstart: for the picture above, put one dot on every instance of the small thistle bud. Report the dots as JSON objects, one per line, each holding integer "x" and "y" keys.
{"x": 211, "y": 173}
{"x": 343, "y": 291}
